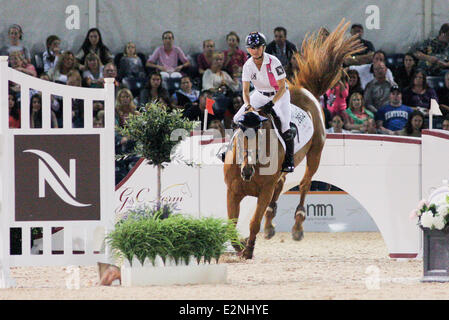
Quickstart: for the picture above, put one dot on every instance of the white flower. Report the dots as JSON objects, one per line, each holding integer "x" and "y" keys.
{"x": 439, "y": 222}
{"x": 443, "y": 209}
{"x": 427, "y": 219}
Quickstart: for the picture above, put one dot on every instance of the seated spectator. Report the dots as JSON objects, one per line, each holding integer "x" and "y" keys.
{"x": 110, "y": 71}
{"x": 51, "y": 55}
{"x": 204, "y": 59}
{"x": 99, "y": 119}
{"x": 433, "y": 54}
{"x": 36, "y": 113}
{"x": 93, "y": 71}
{"x": 74, "y": 79}
{"x": 357, "y": 113}
{"x": 14, "y": 111}
{"x": 165, "y": 59}
{"x": 214, "y": 77}
{"x": 368, "y": 127}
{"x": 93, "y": 43}
{"x": 366, "y": 71}
{"x": 15, "y": 36}
{"x": 280, "y": 47}
{"x": 66, "y": 63}
{"x": 418, "y": 95}
{"x": 234, "y": 57}
{"x": 19, "y": 63}
{"x": 445, "y": 125}
{"x": 414, "y": 125}
{"x": 196, "y": 111}
{"x": 354, "y": 83}
{"x": 365, "y": 56}
{"x": 154, "y": 91}
{"x": 185, "y": 95}
{"x": 336, "y": 98}
{"x": 443, "y": 96}
{"x": 337, "y": 124}
{"x": 393, "y": 116}
{"x": 131, "y": 67}
{"x": 404, "y": 73}
{"x": 124, "y": 106}
{"x": 237, "y": 103}
{"x": 377, "y": 91}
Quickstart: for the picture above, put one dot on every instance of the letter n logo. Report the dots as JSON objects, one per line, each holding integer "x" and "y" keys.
{"x": 57, "y": 177}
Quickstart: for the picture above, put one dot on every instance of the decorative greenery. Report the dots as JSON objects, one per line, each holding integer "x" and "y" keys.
{"x": 177, "y": 236}
{"x": 433, "y": 215}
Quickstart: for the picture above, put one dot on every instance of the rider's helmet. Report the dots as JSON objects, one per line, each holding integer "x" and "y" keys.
{"x": 255, "y": 40}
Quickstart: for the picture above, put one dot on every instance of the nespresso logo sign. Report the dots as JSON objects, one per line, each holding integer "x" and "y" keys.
{"x": 57, "y": 177}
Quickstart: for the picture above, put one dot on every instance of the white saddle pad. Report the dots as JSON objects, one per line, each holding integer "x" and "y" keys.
{"x": 304, "y": 128}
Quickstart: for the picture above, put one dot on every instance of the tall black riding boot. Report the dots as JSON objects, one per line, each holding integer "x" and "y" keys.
{"x": 288, "y": 165}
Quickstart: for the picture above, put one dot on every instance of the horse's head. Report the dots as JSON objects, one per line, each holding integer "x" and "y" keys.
{"x": 249, "y": 123}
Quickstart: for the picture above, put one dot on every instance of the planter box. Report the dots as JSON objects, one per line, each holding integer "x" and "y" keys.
{"x": 171, "y": 274}
{"x": 436, "y": 255}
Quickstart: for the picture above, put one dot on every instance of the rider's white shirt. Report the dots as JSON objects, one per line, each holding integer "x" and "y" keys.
{"x": 259, "y": 78}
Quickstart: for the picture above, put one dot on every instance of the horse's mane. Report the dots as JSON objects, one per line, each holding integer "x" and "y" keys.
{"x": 321, "y": 59}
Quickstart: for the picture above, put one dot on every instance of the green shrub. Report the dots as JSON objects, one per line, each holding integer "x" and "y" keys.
{"x": 176, "y": 236}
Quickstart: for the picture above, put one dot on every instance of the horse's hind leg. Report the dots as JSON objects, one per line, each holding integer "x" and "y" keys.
{"x": 233, "y": 204}
{"x": 313, "y": 162}
{"x": 270, "y": 213}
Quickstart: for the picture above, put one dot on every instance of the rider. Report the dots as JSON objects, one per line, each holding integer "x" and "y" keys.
{"x": 271, "y": 94}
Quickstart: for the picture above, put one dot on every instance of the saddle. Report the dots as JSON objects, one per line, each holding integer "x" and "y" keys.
{"x": 277, "y": 124}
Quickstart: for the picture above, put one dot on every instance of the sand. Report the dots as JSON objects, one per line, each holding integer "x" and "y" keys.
{"x": 322, "y": 266}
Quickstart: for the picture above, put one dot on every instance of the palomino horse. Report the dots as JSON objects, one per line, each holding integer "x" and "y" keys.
{"x": 320, "y": 65}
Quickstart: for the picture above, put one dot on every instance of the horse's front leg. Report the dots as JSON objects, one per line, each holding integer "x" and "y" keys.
{"x": 233, "y": 204}
{"x": 263, "y": 201}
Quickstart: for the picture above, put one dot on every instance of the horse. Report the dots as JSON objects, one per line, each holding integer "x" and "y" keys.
{"x": 320, "y": 68}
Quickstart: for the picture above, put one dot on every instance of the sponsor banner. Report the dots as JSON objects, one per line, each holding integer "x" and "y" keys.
{"x": 325, "y": 212}
{"x": 57, "y": 177}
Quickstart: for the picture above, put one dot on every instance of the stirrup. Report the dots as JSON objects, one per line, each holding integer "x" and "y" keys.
{"x": 287, "y": 168}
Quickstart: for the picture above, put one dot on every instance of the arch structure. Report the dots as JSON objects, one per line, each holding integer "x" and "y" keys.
{"x": 387, "y": 175}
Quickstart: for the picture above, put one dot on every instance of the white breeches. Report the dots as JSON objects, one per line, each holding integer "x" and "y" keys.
{"x": 281, "y": 107}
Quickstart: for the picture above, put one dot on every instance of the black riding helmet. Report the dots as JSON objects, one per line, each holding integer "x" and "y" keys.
{"x": 255, "y": 40}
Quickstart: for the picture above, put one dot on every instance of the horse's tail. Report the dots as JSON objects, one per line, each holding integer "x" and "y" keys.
{"x": 321, "y": 58}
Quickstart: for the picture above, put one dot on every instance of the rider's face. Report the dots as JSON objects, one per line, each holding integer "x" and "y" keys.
{"x": 256, "y": 52}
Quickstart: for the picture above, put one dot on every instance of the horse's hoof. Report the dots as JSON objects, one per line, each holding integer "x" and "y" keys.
{"x": 269, "y": 232}
{"x": 298, "y": 235}
{"x": 247, "y": 254}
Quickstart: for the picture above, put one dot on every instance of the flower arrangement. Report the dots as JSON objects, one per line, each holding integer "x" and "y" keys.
{"x": 433, "y": 215}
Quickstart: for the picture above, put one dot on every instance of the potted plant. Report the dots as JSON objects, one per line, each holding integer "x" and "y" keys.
{"x": 433, "y": 219}
{"x": 159, "y": 247}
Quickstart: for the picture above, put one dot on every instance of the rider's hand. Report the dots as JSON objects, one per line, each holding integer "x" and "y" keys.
{"x": 266, "y": 108}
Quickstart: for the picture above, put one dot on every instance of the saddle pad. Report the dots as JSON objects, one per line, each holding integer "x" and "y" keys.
{"x": 304, "y": 127}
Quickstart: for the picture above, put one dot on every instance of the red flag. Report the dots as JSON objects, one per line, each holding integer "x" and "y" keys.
{"x": 209, "y": 104}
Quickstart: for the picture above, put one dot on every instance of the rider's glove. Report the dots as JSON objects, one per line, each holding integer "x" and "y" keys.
{"x": 267, "y": 108}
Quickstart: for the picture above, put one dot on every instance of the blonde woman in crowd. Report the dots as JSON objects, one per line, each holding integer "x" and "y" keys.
{"x": 66, "y": 63}
{"x": 215, "y": 77}
{"x": 124, "y": 105}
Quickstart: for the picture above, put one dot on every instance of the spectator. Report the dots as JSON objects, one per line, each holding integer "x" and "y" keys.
{"x": 393, "y": 116}
{"x": 196, "y": 111}
{"x": 93, "y": 71}
{"x": 433, "y": 54}
{"x": 36, "y": 113}
{"x": 204, "y": 59}
{"x": 18, "y": 62}
{"x": 354, "y": 83}
{"x": 74, "y": 79}
{"x": 66, "y": 63}
{"x": 165, "y": 59}
{"x": 124, "y": 106}
{"x": 131, "y": 68}
{"x": 366, "y": 71}
{"x": 445, "y": 125}
{"x": 443, "y": 96}
{"x": 414, "y": 125}
{"x": 365, "y": 56}
{"x": 281, "y": 47}
{"x": 418, "y": 95}
{"x": 93, "y": 43}
{"x": 357, "y": 113}
{"x": 368, "y": 127}
{"x": 234, "y": 57}
{"x": 154, "y": 91}
{"x": 15, "y": 36}
{"x": 214, "y": 77}
{"x": 51, "y": 55}
{"x": 337, "y": 124}
{"x": 185, "y": 95}
{"x": 336, "y": 98}
{"x": 237, "y": 103}
{"x": 99, "y": 119}
{"x": 14, "y": 111}
{"x": 377, "y": 91}
{"x": 404, "y": 73}
{"x": 110, "y": 71}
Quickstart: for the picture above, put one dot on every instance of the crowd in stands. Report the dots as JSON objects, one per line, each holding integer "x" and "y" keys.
{"x": 379, "y": 93}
